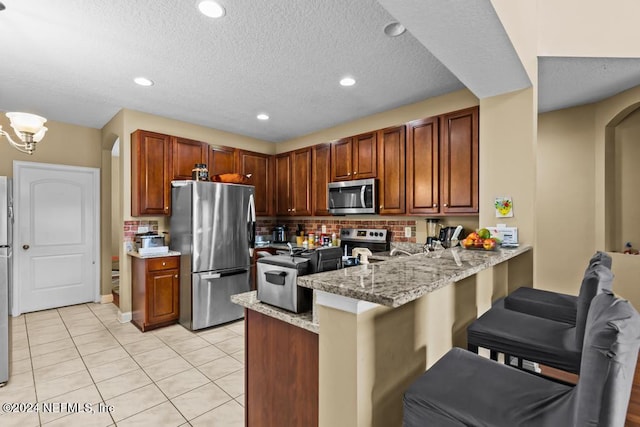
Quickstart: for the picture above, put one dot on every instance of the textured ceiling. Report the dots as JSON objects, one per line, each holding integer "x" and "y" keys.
{"x": 74, "y": 60}
{"x": 567, "y": 82}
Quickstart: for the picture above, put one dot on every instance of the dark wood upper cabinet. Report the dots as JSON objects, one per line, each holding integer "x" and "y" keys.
{"x": 186, "y": 154}
{"x": 150, "y": 173}
{"x": 354, "y": 157}
{"x": 341, "y": 160}
{"x": 459, "y": 162}
{"x": 293, "y": 182}
{"x": 365, "y": 159}
{"x": 321, "y": 176}
{"x": 283, "y": 184}
{"x": 391, "y": 170}
{"x": 423, "y": 171}
{"x": 221, "y": 160}
{"x": 260, "y": 167}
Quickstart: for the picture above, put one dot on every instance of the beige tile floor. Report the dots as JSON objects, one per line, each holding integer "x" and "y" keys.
{"x": 82, "y": 355}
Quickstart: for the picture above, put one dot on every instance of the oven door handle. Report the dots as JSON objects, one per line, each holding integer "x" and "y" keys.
{"x": 362, "y": 191}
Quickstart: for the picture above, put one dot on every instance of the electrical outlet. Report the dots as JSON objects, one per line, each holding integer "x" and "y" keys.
{"x": 407, "y": 232}
{"x": 143, "y": 229}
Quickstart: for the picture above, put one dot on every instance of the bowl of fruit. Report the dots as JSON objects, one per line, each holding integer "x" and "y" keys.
{"x": 481, "y": 240}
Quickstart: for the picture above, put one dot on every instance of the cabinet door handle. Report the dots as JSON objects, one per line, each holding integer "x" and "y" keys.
{"x": 288, "y": 210}
{"x": 446, "y": 205}
{"x": 164, "y": 263}
{"x": 435, "y": 205}
{"x": 293, "y": 210}
{"x": 176, "y": 276}
{"x": 381, "y": 207}
{"x": 355, "y": 173}
{"x": 348, "y": 173}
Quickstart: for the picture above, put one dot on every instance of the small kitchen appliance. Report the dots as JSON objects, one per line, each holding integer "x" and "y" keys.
{"x": 447, "y": 234}
{"x": 277, "y": 282}
{"x": 433, "y": 230}
{"x": 279, "y": 234}
{"x": 149, "y": 240}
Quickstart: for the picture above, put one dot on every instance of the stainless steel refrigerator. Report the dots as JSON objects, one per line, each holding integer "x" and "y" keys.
{"x": 6, "y": 227}
{"x": 212, "y": 225}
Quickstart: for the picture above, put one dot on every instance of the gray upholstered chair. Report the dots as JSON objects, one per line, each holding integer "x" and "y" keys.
{"x": 551, "y": 305}
{"x": 464, "y": 389}
{"x": 555, "y": 344}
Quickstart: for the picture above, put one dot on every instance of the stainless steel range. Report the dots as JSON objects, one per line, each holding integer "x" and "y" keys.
{"x": 374, "y": 239}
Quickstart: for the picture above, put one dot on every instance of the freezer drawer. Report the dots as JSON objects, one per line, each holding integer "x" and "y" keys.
{"x": 208, "y": 299}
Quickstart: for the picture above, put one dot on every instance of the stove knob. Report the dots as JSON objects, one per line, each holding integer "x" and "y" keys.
{"x": 371, "y": 233}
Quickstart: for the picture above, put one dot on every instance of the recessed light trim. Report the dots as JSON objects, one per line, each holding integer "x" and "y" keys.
{"x": 394, "y": 29}
{"x": 262, "y": 116}
{"x": 347, "y": 81}
{"x": 211, "y": 9}
{"x": 143, "y": 81}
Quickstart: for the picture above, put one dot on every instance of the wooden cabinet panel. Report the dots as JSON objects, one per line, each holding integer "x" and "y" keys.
{"x": 391, "y": 170}
{"x": 365, "y": 159}
{"x": 293, "y": 182}
{"x": 301, "y": 183}
{"x": 281, "y": 378}
{"x": 283, "y": 184}
{"x": 221, "y": 160}
{"x": 423, "y": 171}
{"x": 321, "y": 176}
{"x": 341, "y": 160}
{"x": 162, "y": 296}
{"x": 260, "y": 167}
{"x": 155, "y": 287}
{"x": 459, "y": 162}
{"x": 186, "y": 153}
{"x": 150, "y": 173}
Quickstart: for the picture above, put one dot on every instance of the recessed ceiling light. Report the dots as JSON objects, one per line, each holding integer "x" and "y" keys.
{"x": 263, "y": 116}
{"x": 211, "y": 9}
{"x": 394, "y": 29}
{"x": 348, "y": 81}
{"x": 143, "y": 81}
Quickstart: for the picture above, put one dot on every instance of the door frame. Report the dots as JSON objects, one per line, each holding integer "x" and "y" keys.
{"x": 18, "y": 166}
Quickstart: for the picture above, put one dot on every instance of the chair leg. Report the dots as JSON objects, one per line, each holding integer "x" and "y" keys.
{"x": 472, "y": 348}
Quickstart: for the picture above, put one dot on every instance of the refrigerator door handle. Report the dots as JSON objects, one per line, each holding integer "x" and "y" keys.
{"x": 251, "y": 223}
{"x": 211, "y": 276}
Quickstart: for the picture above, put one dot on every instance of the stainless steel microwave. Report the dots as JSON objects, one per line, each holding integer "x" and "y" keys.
{"x": 353, "y": 197}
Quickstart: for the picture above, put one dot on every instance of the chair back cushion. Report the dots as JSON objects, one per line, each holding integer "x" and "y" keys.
{"x": 595, "y": 279}
{"x": 608, "y": 362}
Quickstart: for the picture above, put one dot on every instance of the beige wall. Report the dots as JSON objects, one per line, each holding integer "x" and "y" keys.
{"x": 427, "y": 108}
{"x": 589, "y": 29}
{"x": 565, "y": 197}
{"x": 64, "y": 144}
{"x": 626, "y": 153}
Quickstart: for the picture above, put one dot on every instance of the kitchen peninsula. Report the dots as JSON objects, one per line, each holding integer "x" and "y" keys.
{"x": 373, "y": 330}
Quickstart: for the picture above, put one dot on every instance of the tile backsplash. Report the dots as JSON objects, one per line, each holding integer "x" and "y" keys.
{"x": 314, "y": 225}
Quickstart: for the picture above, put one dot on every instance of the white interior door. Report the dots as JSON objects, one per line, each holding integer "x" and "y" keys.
{"x": 56, "y": 244}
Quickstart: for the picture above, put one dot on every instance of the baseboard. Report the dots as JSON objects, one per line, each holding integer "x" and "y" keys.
{"x": 106, "y": 299}
{"x": 124, "y": 317}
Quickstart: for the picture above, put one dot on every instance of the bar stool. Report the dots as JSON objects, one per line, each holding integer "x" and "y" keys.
{"x": 555, "y": 344}
{"x": 551, "y": 305}
{"x": 464, "y": 389}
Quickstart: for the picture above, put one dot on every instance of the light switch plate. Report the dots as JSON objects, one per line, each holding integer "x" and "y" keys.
{"x": 407, "y": 232}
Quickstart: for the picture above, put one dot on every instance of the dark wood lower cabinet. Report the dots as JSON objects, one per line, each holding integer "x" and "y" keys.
{"x": 281, "y": 376}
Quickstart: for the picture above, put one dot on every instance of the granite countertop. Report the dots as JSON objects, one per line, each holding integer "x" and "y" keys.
{"x": 137, "y": 255}
{"x": 250, "y": 300}
{"x": 400, "y": 280}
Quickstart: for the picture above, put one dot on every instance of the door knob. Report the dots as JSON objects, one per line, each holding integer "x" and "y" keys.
{"x": 25, "y": 247}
